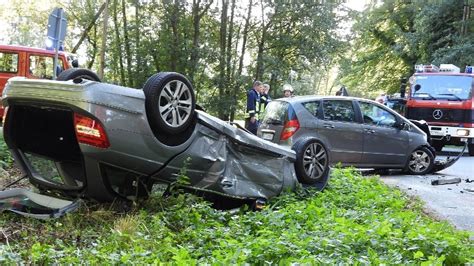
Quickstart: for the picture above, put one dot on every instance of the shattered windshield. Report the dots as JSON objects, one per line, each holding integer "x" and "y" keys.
{"x": 454, "y": 88}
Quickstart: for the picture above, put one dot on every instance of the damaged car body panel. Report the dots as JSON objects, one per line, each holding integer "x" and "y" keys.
{"x": 443, "y": 164}
{"x": 93, "y": 139}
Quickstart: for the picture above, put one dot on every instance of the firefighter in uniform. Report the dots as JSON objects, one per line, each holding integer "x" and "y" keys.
{"x": 253, "y": 107}
{"x": 287, "y": 91}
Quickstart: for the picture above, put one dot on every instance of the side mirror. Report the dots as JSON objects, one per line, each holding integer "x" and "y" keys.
{"x": 417, "y": 87}
{"x": 75, "y": 63}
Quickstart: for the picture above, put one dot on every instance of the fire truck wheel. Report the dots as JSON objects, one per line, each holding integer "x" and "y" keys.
{"x": 470, "y": 148}
{"x": 421, "y": 161}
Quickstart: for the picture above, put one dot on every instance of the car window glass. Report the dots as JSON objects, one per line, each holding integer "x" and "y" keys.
{"x": 376, "y": 115}
{"x": 8, "y": 62}
{"x": 275, "y": 113}
{"x": 42, "y": 66}
{"x": 338, "y": 110}
{"x": 312, "y": 107}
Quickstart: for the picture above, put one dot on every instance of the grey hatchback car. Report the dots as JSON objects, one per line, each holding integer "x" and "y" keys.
{"x": 326, "y": 130}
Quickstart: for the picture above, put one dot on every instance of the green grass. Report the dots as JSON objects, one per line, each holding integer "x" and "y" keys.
{"x": 356, "y": 220}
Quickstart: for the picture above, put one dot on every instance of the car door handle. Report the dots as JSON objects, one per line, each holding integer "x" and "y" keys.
{"x": 371, "y": 131}
{"x": 328, "y": 126}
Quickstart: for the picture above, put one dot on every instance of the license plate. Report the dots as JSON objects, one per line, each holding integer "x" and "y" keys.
{"x": 267, "y": 136}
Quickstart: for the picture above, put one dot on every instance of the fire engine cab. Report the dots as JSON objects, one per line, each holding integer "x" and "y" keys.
{"x": 30, "y": 62}
{"x": 443, "y": 97}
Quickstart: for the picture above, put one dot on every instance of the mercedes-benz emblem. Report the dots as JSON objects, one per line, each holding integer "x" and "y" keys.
{"x": 437, "y": 114}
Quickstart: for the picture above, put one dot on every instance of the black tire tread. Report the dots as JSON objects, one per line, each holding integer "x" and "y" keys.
{"x": 74, "y": 73}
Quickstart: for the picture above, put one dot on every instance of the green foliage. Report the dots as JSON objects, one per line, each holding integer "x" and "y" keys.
{"x": 357, "y": 220}
{"x": 393, "y": 37}
{"x": 6, "y": 159}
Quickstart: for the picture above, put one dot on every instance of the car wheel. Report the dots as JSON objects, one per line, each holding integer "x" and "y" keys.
{"x": 169, "y": 103}
{"x": 470, "y": 148}
{"x": 78, "y": 73}
{"x": 312, "y": 162}
{"x": 421, "y": 161}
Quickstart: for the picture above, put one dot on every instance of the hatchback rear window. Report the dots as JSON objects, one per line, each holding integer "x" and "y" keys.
{"x": 8, "y": 62}
{"x": 277, "y": 112}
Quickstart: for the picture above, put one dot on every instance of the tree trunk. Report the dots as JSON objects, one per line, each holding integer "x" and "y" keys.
{"x": 261, "y": 45}
{"x": 244, "y": 38}
{"x": 104, "y": 41}
{"x": 138, "y": 57}
{"x": 222, "y": 57}
{"x": 174, "y": 17}
{"x": 118, "y": 45}
{"x": 238, "y": 74}
{"x": 128, "y": 54}
{"x": 89, "y": 27}
{"x": 93, "y": 43}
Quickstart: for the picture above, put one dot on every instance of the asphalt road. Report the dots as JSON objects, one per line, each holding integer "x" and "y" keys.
{"x": 451, "y": 202}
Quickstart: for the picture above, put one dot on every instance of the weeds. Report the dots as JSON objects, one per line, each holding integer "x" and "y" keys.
{"x": 356, "y": 220}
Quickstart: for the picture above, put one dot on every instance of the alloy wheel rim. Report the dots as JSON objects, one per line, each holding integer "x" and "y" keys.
{"x": 315, "y": 160}
{"x": 419, "y": 161}
{"x": 175, "y": 103}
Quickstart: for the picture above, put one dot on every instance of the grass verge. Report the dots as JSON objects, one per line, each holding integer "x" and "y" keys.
{"x": 355, "y": 220}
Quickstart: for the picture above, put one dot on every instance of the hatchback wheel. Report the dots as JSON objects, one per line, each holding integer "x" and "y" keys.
{"x": 421, "y": 161}
{"x": 312, "y": 162}
{"x": 170, "y": 107}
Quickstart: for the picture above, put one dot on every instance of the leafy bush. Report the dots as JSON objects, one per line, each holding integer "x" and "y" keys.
{"x": 356, "y": 220}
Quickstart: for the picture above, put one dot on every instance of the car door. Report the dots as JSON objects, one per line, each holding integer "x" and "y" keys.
{"x": 384, "y": 143}
{"x": 341, "y": 131}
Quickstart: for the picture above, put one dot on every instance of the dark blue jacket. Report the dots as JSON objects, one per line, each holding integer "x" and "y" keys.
{"x": 253, "y": 103}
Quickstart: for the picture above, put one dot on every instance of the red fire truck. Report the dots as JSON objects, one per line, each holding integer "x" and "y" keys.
{"x": 444, "y": 98}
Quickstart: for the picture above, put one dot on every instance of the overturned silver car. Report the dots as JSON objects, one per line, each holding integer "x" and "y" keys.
{"x": 85, "y": 138}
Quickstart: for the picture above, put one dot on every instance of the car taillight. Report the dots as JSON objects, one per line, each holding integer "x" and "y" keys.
{"x": 90, "y": 131}
{"x": 289, "y": 129}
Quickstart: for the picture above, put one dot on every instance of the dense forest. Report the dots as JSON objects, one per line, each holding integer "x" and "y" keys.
{"x": 223, "y": 45}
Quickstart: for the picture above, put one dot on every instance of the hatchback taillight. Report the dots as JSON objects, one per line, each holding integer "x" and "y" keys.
{"x": 289, "y": 129}
{"x": 90, "y": 131}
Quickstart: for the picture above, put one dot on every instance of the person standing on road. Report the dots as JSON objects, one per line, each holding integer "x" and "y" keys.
{"x": 264, "y": 98}
{"x": 253, "y": 106}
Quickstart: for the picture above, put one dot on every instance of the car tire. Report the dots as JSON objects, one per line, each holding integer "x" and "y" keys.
{"x": 169, "y": 102}
{"x": 312, "y": 162}
{"x": 470, "y": 148}
{"x": 78, "y": 73}
{"x": 421, "y": 161}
